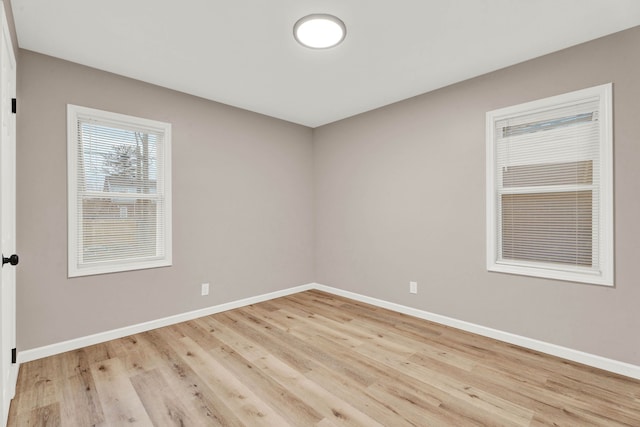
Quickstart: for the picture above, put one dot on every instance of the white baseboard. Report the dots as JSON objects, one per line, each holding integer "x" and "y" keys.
{"x": 595, "y": 361}
{"x": 76, "y": 343}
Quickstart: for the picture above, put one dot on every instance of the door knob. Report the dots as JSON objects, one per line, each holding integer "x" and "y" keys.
{"x": 13, "y": 260}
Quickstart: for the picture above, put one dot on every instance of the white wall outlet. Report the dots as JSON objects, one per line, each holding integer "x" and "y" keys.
{"x": 204, "y": 289}
{"x": 413, "y": 287}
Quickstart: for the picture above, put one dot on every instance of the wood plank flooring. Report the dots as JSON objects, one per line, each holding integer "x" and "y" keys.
{"x": 315, "y": 359}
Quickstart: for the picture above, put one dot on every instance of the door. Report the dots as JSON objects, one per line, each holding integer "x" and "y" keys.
{"x": 8, "y": 367}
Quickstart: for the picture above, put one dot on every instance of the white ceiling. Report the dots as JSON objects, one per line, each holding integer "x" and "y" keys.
{"x": 242, "y": 52}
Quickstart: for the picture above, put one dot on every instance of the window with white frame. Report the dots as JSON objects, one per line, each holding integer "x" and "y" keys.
{"x": 550, "y": 187}
{"x": 119, "y": 192}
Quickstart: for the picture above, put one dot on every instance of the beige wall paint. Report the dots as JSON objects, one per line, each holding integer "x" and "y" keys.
{"x": 400, "y": 196}
{"x": 242, "y": 205}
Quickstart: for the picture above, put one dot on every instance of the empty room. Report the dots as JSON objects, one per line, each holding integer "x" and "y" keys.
{"x": 320, "y": 213}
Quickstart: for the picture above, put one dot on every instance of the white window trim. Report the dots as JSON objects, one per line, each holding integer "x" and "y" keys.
{"x": 73, "y": 113}
{"x": 605, "y": 276}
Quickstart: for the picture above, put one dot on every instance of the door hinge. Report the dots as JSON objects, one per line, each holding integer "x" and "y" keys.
{"x": 14, "y": 105}
{"x": 14, "y": 355}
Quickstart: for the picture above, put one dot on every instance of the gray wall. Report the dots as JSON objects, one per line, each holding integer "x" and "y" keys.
{"x": 243, "y": 214}
{"x": 380, "y": 199}
{"x": 400, "y": 196}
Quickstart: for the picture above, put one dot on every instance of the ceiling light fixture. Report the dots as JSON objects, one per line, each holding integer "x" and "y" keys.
{"x": 319, "y": 31}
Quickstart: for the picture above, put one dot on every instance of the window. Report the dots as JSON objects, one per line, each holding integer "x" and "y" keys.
{"x": 119, "y": 192}
{"x": 550, "y": 188}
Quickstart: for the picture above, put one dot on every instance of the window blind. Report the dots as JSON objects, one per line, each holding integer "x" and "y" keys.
{"x": 120, "y": 198}
{"x": 548, "y": 190}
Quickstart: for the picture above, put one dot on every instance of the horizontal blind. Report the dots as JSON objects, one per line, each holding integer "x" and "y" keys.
{"x": 547, "y": 176}
{"x": 120, "y": 197}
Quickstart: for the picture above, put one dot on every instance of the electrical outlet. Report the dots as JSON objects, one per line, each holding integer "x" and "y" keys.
{"x": 204, "y": 289}
{"x": 413, "y": 287}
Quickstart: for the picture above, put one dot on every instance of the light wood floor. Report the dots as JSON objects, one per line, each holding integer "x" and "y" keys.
{"x": 314, "y": 359}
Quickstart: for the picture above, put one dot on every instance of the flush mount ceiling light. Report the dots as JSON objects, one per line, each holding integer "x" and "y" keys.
{"x": 319, "y": 31}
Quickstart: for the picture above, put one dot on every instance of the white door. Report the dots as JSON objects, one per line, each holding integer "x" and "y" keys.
{"x": 8, "y": 369}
